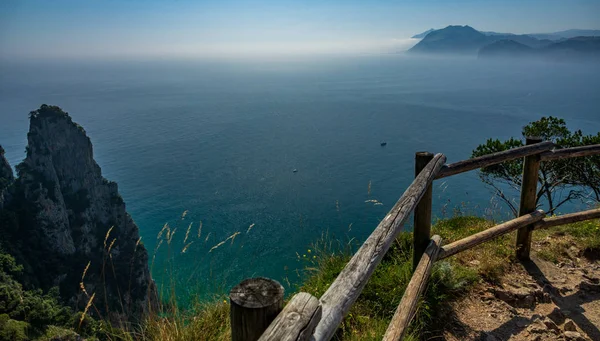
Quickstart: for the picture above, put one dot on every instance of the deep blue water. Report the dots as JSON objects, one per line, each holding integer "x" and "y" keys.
{"x": 220, "y": 140}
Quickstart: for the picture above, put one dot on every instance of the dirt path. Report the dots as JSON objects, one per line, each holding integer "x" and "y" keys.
{"x": 538, "y": 300}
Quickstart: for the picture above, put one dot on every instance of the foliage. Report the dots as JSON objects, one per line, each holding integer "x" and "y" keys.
{"x": 560, "y": 181}
{"x": 12, "y": 330}
{"x": 30, "y": 314}
{"x": 48, "y": 111}
{"x": 370, "y": 315}
{"x": 54, "y": 113}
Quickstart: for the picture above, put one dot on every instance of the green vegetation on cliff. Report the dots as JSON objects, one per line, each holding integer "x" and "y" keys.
{"x": 41, "y": 314}
{"x": 34, "y": 314}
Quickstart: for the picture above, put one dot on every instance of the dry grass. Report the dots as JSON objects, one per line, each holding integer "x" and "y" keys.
{"x": 557, "y": 243}
{"x": 205, "y": 322}
{"x": 491, "y": 259}
{"x": 370, "y": 315}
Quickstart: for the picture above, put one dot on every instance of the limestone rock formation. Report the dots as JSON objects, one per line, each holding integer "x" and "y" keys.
{"x": 63, "y": 215}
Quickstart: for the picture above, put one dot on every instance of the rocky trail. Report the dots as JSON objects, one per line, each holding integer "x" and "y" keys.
{"x": 537, "y": 300}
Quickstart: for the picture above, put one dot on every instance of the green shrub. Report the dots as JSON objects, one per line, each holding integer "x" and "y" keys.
{"x": 11, "y": 330}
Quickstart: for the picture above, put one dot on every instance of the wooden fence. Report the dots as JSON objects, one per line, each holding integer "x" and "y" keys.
{"x": 307, "y": 318}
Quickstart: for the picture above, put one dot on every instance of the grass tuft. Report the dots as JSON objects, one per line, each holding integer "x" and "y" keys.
{"x": 370, "y": 315}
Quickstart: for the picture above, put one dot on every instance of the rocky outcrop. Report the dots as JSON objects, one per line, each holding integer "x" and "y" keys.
{"x": 69, "y": 225}
{"x": 6, "y": 178}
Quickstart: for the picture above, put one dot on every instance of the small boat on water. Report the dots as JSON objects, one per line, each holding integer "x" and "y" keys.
{"x": 383, "y": 143}
{"x": 295, "y": 170}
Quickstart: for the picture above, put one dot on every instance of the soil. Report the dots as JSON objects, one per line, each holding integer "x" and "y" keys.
{"x": 536, "y": 300}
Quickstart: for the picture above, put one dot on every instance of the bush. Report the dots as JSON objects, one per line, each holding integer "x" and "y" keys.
{"x": 11, "y": 330}
{"x": 26, "y": 314}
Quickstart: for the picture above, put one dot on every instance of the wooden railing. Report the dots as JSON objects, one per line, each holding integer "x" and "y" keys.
{"x": 307, "y": 318}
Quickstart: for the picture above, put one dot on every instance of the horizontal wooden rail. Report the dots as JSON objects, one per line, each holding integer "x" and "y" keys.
{"x": 306, "y": 318}
{"x": 495, "y": 158}
{"x": 344, "y": 291}
{"x": 297, "y": 321}
{"x": 408, "y": 305}
{"x": 567, "y": 219}
{"x": 491, "y": 233}
{"x": 556, "y": 154}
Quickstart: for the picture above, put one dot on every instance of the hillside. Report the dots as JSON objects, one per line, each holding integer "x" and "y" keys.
{"x": 574, "y": 49}
{"x": 422, "y": 35}
{"x": 506, "y": 48}
{"x": 578, "y": 48}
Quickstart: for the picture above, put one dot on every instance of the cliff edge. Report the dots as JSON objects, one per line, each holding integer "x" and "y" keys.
{"x": 68, "y": 225}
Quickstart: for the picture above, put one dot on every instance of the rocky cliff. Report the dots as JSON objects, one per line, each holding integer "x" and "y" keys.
{"x": 6, "y": 178}
{"x": 62, "y": 215}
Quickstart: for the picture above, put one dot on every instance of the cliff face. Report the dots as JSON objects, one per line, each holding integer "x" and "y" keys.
{"x": 66, "y": 215}
{"x": 6, "y": 178}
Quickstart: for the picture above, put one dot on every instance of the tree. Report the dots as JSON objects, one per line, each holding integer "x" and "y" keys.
{"x": 560, "y": 181}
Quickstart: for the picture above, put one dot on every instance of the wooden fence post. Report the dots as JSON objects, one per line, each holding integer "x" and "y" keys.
{"x": 531, "y": 167}
{"x": 422, "y": 218}
{"x": 408, "y": 304}
{"x": 255, "y": 303}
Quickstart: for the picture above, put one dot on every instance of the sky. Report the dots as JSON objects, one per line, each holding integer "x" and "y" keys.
{"x": 106, "y": 29}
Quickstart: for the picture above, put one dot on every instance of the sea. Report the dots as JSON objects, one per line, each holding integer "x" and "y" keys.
{"x": 258, "y": 165}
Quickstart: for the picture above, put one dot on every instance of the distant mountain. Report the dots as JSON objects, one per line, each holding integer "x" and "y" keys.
{"x": 467, "y": 40}
{"x": 573, "y": 49}
{"x": 452, "y": 39}
{"x": 578, "y": 48}
{"x": 561, "y": 35}
{"x": 505, "y": 48}
{"x": 553, "y": 36}
{"x": 522, "y": 39}
{"x": 490, "y": 33}
{"x": 422, "y": 35}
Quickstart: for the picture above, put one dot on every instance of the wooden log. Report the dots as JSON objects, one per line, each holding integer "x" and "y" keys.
{"x": 344, "y": 291}
{"x": 297, "y": 321}
{"x": 493, "y": 159}
{"x": 422, "y": 216}
{"x": 408, "y": 305}
{"x": 566, "y": 153}
{"x": 531, "y": 168}
{"x": 567, "y": 219}
{"x": 255, "y": 303}
{"x": 489, "y": 234}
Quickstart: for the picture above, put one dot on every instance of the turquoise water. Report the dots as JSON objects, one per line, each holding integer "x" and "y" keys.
{"x": 221, "y": 141}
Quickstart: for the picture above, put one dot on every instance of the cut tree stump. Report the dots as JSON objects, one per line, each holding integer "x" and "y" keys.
{"x": 255, "y": 303}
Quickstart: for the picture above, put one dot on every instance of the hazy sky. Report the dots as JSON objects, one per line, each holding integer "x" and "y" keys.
{"x": 228, "y": 28}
